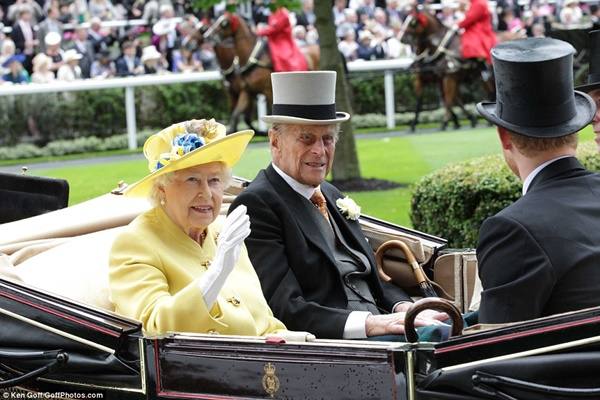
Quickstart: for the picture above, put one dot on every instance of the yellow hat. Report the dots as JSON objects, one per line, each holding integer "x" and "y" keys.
{"x": 185, "y": 145}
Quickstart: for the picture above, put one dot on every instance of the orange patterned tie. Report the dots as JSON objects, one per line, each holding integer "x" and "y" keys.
{"x": 319, "y": 201}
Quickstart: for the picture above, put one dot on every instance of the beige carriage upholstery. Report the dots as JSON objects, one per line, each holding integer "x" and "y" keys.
{"x": 455, "y": 271}
{"x": 65, "y": 252}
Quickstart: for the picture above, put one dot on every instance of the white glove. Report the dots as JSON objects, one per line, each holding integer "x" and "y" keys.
{"x": 235, "y": 229}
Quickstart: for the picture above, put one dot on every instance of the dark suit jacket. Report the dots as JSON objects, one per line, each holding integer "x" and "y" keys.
{"x": 17, "y": 36}
{"x": 297, "y": 270}
{"x": 541, "y": 255}
{"x": 121, "y": 66}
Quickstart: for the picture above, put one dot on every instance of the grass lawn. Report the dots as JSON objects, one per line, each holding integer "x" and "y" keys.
{"x": 402, "y": 159}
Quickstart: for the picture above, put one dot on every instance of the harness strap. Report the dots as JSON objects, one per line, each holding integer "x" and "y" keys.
{"x": 440, "y": 49}
{"x": 234, "y": 64}
{"x": 254, "y": 60}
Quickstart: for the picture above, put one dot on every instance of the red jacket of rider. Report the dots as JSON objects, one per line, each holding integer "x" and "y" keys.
{"x": 479, "y": 37}
{"x": 285, "y": 53}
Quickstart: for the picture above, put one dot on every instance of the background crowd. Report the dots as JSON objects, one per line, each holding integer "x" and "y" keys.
{"x": 46, "y": 40}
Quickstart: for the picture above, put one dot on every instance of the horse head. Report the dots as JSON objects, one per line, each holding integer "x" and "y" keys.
{"x": 422, "y": 30}
{"x": 224, "y": 27}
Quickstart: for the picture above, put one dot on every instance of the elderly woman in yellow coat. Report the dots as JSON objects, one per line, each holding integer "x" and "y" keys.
{"x": 178, "y": 267}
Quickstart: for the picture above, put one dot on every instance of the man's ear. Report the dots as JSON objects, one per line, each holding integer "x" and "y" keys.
{"x": 505, "y": 138}
{"x": 273, "y": 139}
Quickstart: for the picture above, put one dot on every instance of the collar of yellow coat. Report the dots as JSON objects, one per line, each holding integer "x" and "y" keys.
{"x": 180, "y": 241}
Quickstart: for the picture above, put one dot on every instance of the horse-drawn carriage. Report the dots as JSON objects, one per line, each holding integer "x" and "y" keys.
{"x": 59, "y": 341}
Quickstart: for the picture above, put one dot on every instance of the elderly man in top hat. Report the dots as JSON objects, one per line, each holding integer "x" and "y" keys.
{"x": 592, "y": 87}
{"x": 541, "y": 255}
{"x": 317, "y": 271}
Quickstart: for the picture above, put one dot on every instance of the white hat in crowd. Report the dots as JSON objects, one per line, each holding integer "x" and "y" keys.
{"x": 52, "y": 38}
{"x": 71, "y": 55}
{"x": 150, "y": 53}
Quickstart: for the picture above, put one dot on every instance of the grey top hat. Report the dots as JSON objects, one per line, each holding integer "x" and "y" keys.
{"x": 534, "y": 89}
{"x": 593, "y": 80}
{"x": 305, "y": 98}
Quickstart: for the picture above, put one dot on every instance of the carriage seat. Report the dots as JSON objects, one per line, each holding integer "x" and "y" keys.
{"x": 23, "y": 196}
{"x": 75, "y": 268}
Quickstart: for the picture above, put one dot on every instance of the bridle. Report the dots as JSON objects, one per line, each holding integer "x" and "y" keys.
{"x": 441, "y": 49}
{"x": 255, "y": 54}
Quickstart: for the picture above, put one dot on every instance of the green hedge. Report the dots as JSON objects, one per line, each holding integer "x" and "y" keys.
{"x": 43, "y": 118}
{"x": 70, "y": 146}
{"x": 452, "y": 202}
{"x": 61, "y": 147}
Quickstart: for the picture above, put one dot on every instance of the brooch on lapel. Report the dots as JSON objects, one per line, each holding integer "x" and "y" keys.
{"x": 348, "y": 207}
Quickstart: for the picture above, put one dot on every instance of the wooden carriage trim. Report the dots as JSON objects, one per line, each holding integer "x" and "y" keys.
{"x": 142, "y": 389}
{"x": 61, "y": 315}
{"x": 517, "y": 335}
{"x": 57, "y": 331}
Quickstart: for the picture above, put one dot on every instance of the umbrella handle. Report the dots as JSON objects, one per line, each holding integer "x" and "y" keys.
{"x": 408, "y": 254}
{"x": 431, "y": 303}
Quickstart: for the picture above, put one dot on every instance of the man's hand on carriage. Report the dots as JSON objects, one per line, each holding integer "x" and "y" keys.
{"x": 431, "y": 314}
{"x": 393, "y": 324}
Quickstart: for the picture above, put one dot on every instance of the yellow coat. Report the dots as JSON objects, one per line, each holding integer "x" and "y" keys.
{"x": 154, "y": 268}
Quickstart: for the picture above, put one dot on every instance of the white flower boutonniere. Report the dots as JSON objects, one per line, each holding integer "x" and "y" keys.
{"x": 349, "y": 208}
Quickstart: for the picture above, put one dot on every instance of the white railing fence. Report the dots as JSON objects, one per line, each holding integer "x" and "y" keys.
{"x": 388, "y": 67}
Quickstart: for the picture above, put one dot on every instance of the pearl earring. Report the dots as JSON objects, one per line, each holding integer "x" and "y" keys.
{"x": 162, "y": 202}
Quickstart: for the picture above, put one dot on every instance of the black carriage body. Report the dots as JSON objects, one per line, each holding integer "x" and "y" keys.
{"x": 205, "y": 367}
{"x": 556, "y": 357}
{"x": 109, "y": 358}
{"x": 102, "y": 348}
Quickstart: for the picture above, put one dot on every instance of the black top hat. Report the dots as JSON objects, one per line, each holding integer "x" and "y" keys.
{"x": 534, "y": 89}
{"x": 593, "y": 80}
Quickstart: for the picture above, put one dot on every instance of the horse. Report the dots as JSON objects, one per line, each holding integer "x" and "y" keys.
{"x": 438, "y": 61}
{"x": 254, "y": 64}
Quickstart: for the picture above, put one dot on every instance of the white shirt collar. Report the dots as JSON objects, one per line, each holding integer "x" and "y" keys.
{"x": 303, "y": 190}
{"x": 535, "y": 172}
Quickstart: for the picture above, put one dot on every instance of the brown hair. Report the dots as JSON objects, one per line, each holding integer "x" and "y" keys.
{"x": 531, "y": 147}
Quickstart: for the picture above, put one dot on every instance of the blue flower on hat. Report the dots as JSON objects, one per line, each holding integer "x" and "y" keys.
{"x": 182, "y": 144}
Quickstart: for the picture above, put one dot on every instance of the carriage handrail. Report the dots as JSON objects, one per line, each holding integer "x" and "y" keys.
{"x": 130, "y": 83}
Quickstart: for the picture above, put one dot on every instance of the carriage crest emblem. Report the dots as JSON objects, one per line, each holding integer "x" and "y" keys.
{"x": 270, "y": 381}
